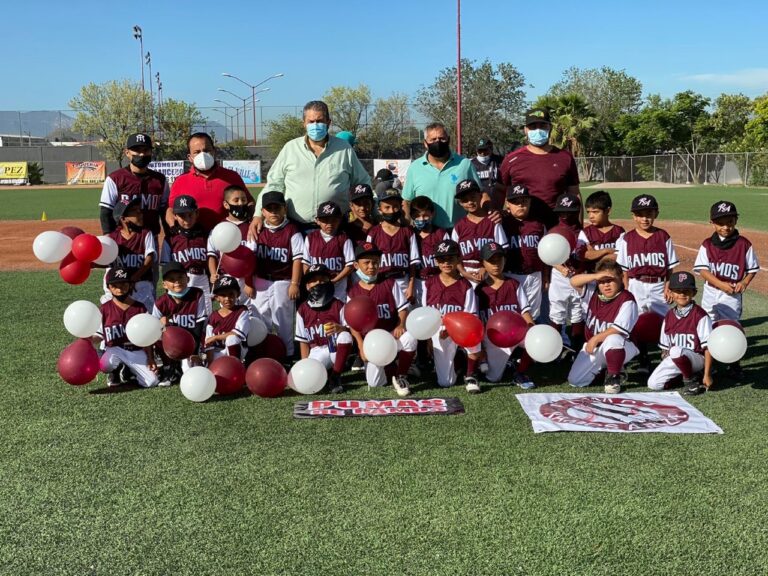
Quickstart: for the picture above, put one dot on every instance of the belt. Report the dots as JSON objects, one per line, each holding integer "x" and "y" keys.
{"x": 195, "y": 270}
{"x": 649, "y": 279}
{"x": 395, "y": 274}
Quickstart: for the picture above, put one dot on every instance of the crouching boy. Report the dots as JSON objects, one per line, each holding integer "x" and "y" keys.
{"x": 227, "y": 330}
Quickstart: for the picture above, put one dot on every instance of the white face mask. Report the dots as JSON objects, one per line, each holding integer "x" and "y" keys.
{"x": 203, "y": 161}
{"x": 483, "y": 159}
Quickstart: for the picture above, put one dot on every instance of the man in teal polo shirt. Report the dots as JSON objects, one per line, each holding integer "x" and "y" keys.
{"x": 436, "y": 174}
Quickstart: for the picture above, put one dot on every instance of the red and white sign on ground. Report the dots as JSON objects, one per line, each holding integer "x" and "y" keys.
{"x": 643, "y": 412}
{"x": 395, "y": 407}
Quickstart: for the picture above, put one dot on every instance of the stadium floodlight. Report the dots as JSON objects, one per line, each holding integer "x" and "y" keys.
{"x": 253, "y": 93}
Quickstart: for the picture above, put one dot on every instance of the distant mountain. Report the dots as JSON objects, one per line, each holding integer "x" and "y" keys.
{"x": 40, "y": 123}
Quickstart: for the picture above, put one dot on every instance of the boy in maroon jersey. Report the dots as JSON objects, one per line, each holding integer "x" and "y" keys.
{"x": 611, "y": 315}
{"x": 319, "y": 325}
{"x": 428, "y": 237}
{"x": 279, "y": 249}
{"x": 601, "y": 235}
{"x": 137, "y": 251}
{"x": 187, "y": 243}
{"x": 392, "y": 310}
{"x": 495, "y": 294}
{"x": 449, "y": 292}
{"x": 683, "y": 340}
{"x": 330, "y": 247}
{"x": 122, "y": 358}
{"x": 227, "y": 331}
{"x": 361, "y": 214}
{"x": 474, "y": 230}
{"x": 523, "y": 233}
{"x": 182, "y": 306}
{"x": 400, "y": 254}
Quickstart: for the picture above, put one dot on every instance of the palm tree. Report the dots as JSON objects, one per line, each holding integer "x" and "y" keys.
{"x": 573, "y": 121}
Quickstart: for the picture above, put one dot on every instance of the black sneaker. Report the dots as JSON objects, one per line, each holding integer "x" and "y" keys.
{"x": 692, "y": 387}
{"x": 113, "y": 378}
{"x": 358, "y": 365}
{"x": 334, "y": 384}
{"x": 612, "y": 384}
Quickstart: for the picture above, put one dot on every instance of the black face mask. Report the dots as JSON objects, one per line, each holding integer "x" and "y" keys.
{"x": 320, "y": 295}
{"x": 239, "y": 211}
{"x": 391, "y": 218}
{"x": 121, "y": 297}
{"x": 438, "y": 149}
{"x": 134, "y": 227}
{"x": 141, "y": 161}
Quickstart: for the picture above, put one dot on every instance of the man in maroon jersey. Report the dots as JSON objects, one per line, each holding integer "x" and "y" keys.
{"x": 547, "y": 171}
{"x": 328, "y": 245}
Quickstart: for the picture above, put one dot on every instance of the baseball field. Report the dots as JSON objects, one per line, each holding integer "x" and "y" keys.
{"x": 145, "y": 482}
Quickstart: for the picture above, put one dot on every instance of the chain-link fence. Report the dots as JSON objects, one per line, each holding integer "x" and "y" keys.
{"x": 746, "y": 169}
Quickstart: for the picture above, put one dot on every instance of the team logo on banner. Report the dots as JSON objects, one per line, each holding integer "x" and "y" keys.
{"x": 613, "y": 413}
{"x": 404, "y": 407}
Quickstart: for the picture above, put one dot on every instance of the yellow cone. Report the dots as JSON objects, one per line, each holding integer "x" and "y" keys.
{"x": 44, "y": 217}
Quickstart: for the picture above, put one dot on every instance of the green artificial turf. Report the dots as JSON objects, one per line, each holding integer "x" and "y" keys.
{"x": 145, "y": 482}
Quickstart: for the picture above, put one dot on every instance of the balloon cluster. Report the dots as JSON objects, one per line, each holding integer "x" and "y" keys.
{"x": 236, "y": 259}
{"x": 75, "y": 251}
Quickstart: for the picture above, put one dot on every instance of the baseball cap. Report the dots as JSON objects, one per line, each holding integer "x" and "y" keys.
{"x": 682, "y": 281}
{"x": 316, "y": 270}
{"x": 384, "y": 175}
{"x": 366, "y": 249}
{"x": 138, "y": 139}
{"x": 184, "y": 204}
{"x": 225, "y": 282}
{"x": 272, "y": 198}
{"x": 517, "y": 191}
{"x": 328, "y": 210}
{"x": 173, "y": 267}
{"x": 644, "y": 202}
{"x": 118, "y": 274}
{"x": 722, "y": 209}
{"x": 466, "y": 187}
{"x": 447, "y": 248}
{"x": 567, "y": 203}
{"x": 491, "y": 249}
{"x": 384, "y": 191}
{"x": 484, "y": 143}
{"x": 537, "y": 115}
{"x": 359, "y": 192}
{"x": 123, "y": 205}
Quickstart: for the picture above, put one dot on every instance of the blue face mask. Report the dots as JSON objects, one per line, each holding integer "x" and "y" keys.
{"x": 179, "y": 294}
{"x": 317, "y": 131}
{"x": 364, "y": 277}
{"x": 421, "y": 224}
{"x": 538, "y": 137}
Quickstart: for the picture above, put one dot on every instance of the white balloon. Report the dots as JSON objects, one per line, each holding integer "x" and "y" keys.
{"x": 82, "y": 319}
{"x": 380, "y": 347}
{"x": 554, "y": 249}
{"x": 543, "y": 343}
{"x": 424, "y": 322}
{"x": 257, "y": 333}
{"x": 144, "y": 330}
{"x": 727, "y": 344}
{"x": 108, "y": 251}
{"x": 307, "y": 376}
{"x": 51, "y": 246}
{"x": 198, "y": 384}
{"x": 226, "y": 237}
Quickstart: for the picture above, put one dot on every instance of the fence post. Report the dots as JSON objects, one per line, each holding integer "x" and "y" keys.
{"x": 706, "y": 168}
{"x": 671, "y": 169}
{"x": 725, "y": 171}
{"x": 604, "y": 174}
{"x": 654, "y": 167}
{"x": 631, "y": 169}
{"x": 746, "y": 171}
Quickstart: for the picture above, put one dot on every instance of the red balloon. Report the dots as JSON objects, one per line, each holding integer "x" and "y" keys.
{"x": 271, "y": 347}
{"x": 647, "y": 330}
{"x": 178, "y": 343}
{"x": 74, "y": 271}
{"x": 725, "y": 322}
{"x": 86, "y": 247}
{"x": 78, "y": 363}
{"x": 266, "y": 378}
{"x": 230, "y": 374}
{"x": 72, "y": 231}
{"x": 360, "y": 314}
{"x": 240, "y": 263}
{"x": 506, "y": 329}
{"x": 464, "y": 328}
{"x": 566, "y": 233}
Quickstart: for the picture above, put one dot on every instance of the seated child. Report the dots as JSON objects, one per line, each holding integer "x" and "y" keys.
{"x": 227, "y": 331}
{"x": 330, "y": 247}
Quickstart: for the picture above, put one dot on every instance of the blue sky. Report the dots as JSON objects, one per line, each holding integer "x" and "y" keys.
{"x": 51, "y": 48}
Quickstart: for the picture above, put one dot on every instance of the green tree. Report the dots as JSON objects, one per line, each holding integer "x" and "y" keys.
{"x": 348, "y": 106}
{"x": 493, "y": 102}
{"x": 574, "y": 124}
{"x": 389, "y": 127}
{"x": 284, "y": 128}
{"x": 729, "y": 120}
{"x": 109, "y": 112}
{"x": 176, "y": 121}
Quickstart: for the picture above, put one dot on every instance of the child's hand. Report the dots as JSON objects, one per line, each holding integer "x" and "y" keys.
{"x": 214, "y": 277}
{"x": 727, "y": 288}
{"x": 707, "y": 381}
{"x": 250, "y": 291}
{"x": 398, "y": 332}
{"x": 667, "y": 295}
{"x": 152, "y": 366}
{"x": 592, "y": 345}
{"x": 293, "y": 291}
{"x": 739, "y": 287}
{"x": 211, "y": 340}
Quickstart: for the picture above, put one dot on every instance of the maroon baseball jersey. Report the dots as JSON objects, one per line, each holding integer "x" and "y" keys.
{"x": 427, "y": 247}
{"x": 218, "y": 324}
{"x": 132, "y": 251}
{"x": 598, "y": 240}
{"x": 576, "y": 260}
{"x": 508, "y": 297}
{"x": 458, "y": 297}
{"x": 619, "y": 313}
{"x": 690, "y": 332}
{"x": 189, "y": 248}
{"x": 123, "y": 185}
{"x": 186, "y": 313}
{"x": 472, "y": 236}
{"x": 652, "y": 256}
{"x": 397, "y": 250}
{"x": 523, "y": 237}
{"x": 318, "y": 250}
{"x": 727, "y": 264}
{"x": 383, "y": 295}
{"x": 276, "y": 250}
{"x": 310, "y": 322}
{"x": 113, "y": 322}
{"x": 212, "y": 251}
{"x": 355, "y": 233}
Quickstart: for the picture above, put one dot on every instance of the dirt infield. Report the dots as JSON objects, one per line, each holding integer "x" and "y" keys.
{"x": 17, "y": 235}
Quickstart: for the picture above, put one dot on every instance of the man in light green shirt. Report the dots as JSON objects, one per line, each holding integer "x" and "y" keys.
{"x": 436, "y": 174}
{"x": 315, "y": 168}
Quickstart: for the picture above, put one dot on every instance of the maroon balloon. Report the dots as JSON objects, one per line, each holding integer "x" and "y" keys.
{"x": 464, "y": 328}
{"x": 506, "y": 329}
{"x": 74, "y": 271}
{"x": 360, "y": 314}
{"x": 240, "y": 263}
{"x": 72, "y": 231}
{"x": 725, "y": 322}
{"x": 86, "y": 247}
{"x": 78, "y": 363}
{"x": 647, "y": 330}
{"x": 567, "y": 233}
{"x": 266, "y": 378}
{"x": 230, "y": 374}
{"x": 178, "y": 343}
{"x": 271, "y": 347}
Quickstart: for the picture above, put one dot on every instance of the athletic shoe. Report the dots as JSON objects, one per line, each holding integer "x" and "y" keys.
{"x": 471, "y": 385}
{"x": 166, "y": 376}
{"x": 334, "y": 383}
{"x": 414, "y": 371}
{"x": 358, "y": 365}
{"x": 126, "y": 376}
{"x": 612, "y": 383}
{"x": 568, "y": 355}
{"x": 523, "y": 381}
{"x": 692, "y": 387}
{"x": 401, "y": 385}
{"x": 113, "y": 378}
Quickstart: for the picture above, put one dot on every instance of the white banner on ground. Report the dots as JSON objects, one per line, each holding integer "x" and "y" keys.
{"x": 398, "y": 167}
{"x": 171, "y": 169}
{"x": 643, "y": 412}
{"x": 249, "y": 170}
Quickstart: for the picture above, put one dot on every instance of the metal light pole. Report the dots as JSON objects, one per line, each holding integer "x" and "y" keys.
{"x": 159, "y": 104}
{"x": 458, "y": 76}
{"x": 138, "y": 35}
{"x": 253, "y": 94}
{"x": 230, "y": 117}
{"x": 237, "y": 111}
{"x": 148, "y": 61}
{"x": 244, "y": 100}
